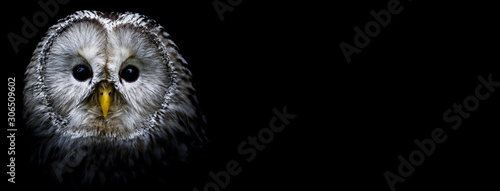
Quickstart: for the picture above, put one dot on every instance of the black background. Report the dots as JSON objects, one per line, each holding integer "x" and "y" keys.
{"x": 353, "y": 120}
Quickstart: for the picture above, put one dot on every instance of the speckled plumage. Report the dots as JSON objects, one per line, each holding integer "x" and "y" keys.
{"x": 152, "y": 123}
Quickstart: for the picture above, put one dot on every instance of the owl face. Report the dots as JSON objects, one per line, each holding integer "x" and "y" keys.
{"x": 108, "y": 75}
{"x": 112, "y": 77}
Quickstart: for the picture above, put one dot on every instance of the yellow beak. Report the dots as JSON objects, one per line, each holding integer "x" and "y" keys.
{"x": 105, "y": 98}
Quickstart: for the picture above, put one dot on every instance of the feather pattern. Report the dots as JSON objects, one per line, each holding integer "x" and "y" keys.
{"x": 152, "y": 122}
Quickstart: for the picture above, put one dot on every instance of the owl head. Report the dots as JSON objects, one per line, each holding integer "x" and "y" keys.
{"x": 111, "y": 83}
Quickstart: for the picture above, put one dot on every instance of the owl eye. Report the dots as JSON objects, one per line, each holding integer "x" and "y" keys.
{"x": 129, "y": 73}
{"x": 82, "y": 72}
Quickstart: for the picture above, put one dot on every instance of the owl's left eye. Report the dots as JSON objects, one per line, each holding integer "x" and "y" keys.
{"x": 129, "y": 73}
{"x": 82, "y": 72}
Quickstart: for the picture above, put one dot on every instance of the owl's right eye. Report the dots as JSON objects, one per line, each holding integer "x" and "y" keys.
{"x": 82, "y": 72}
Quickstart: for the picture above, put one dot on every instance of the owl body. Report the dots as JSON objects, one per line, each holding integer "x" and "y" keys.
{"x": 108, "y": 97}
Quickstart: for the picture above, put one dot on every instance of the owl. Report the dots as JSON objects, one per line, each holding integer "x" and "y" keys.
{"x": 109, "y": 99}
